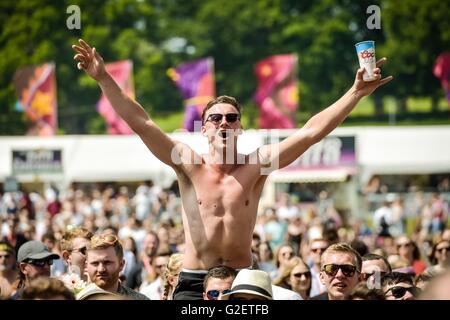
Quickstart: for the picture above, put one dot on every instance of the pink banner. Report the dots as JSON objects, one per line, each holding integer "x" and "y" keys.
{"x": 442, "y": 71}
{"x": 122, "y": 73}
{"x": 277, "y": 94}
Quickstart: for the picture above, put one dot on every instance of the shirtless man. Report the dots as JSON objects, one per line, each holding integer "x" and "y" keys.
{"x": 220, "y": 191}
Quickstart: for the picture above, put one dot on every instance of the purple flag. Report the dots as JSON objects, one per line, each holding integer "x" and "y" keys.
{"x": 196, "y": 82}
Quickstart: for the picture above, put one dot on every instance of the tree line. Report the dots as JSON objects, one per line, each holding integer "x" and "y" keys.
{"x": 159, "y": 34}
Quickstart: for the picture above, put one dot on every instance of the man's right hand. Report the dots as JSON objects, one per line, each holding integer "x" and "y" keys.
{"x": 89, "y": 60}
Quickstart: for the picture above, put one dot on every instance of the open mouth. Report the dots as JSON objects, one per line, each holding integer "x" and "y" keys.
{"x": 340, "y": 286}
{"x": 224, "y": 134}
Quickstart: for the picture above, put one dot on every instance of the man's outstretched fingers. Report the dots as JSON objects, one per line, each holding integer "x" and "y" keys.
{"x": 84, "y": 44}
{"x": 79, "y": 49}
{"x": 96, "y": 54}
{"x": 386, "y": 80}
{"x": 381, "y": 61}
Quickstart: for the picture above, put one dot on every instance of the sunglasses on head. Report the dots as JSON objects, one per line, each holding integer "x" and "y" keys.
{"x": 214, "y": 294}
{"x": 40, "y": 263}
{"x": 366, "y": 276}
{"x": 399, "y": 291}
{"x": 298, "y": 275}
{"x": 332, "y": 269}
{"x": 110, "y": 239}
{"x": 217, "y": 117}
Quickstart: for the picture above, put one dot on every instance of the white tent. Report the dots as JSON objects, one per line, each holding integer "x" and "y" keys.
{"x": 379, "y": 150}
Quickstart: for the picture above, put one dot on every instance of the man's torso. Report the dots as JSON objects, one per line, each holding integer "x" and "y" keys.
{"x": 219, "y": 214}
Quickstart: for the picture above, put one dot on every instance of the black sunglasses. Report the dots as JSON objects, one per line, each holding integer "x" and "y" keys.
{"x": 442, "y": 249}
{"x": 214, "y": 294}
{"x": 81, "y": 250}
{"x": 40, "y": 263}
{"x": 399, "y": 291}
{"x": 332, "y": 269}
{"x": 318, "y": 250}
{"x": 307, "y": 274}
{"x": 217, "y": 117}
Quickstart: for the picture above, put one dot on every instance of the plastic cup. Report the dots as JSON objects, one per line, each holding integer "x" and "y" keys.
{"x": 366, "y": 56}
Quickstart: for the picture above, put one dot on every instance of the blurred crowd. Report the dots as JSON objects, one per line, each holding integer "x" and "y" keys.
{"x": 398, "y": 246}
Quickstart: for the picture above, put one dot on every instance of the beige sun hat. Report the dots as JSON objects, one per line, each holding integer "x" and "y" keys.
{"x": 92, "y": 289}
{"x": 255, "y": 282}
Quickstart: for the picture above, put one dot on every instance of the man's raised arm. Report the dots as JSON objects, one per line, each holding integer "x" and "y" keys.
{"x": 159, "y": 143}
{"x": 282, "y": 154}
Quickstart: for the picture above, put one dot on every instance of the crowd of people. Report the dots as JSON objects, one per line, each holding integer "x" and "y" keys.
{"x": 129, "y": 244}
{"x": 205, "y": 239}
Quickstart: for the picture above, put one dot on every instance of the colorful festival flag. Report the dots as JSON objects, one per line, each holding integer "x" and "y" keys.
{"x": 277, "y": 94}
{"x": 196, "y": 82}
{"x": 36, "y": 91}
{"x": 442, "y": 71}
{"x": 122, "y": 73}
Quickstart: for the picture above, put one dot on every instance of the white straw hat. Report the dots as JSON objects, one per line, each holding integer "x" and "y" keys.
{"x": 255, "y": 282}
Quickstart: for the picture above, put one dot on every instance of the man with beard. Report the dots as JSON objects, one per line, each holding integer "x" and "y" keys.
{"x": 220, "y": 190}
{"x": 340, "y": 271}
{"x": 104, "y": 262}
{"x": 34, "y": 261}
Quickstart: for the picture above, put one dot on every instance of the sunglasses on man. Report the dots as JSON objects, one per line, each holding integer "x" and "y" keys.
{"x": 216, "y": 118}
{"x": 40, "y": 263}
{"x": 81, "y": 250}
{"x": 399, "y": 291}
{"x": 214, "y": 294}
{"x": 332, "y": 269}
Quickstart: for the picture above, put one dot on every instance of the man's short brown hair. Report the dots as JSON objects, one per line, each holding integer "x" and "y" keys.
{"x": 69, "y": 235}
{"x": 221, "y": 99}
{"x": 104, "y": 241}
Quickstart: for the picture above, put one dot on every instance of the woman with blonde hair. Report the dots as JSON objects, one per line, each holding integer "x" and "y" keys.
{"x": 170, "y": 276}
{"x": 295, "y": 276}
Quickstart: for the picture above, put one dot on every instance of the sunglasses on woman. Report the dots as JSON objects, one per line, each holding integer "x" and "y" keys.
{"x": 214, "y": 294}
{"x": 298, "y": 275}
{"x": 216, "y": 118}
{"x": 399, "y": 291}
{"x": 332, "y": 269}
{"x": 441, "y": 250}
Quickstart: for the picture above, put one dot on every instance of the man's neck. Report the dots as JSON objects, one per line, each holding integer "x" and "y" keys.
{"x": 222, "y": 159}
{"x": 113, "y": 288}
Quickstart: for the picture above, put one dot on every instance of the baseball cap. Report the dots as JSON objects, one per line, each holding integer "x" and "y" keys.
{"x": 35, "y": 250}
